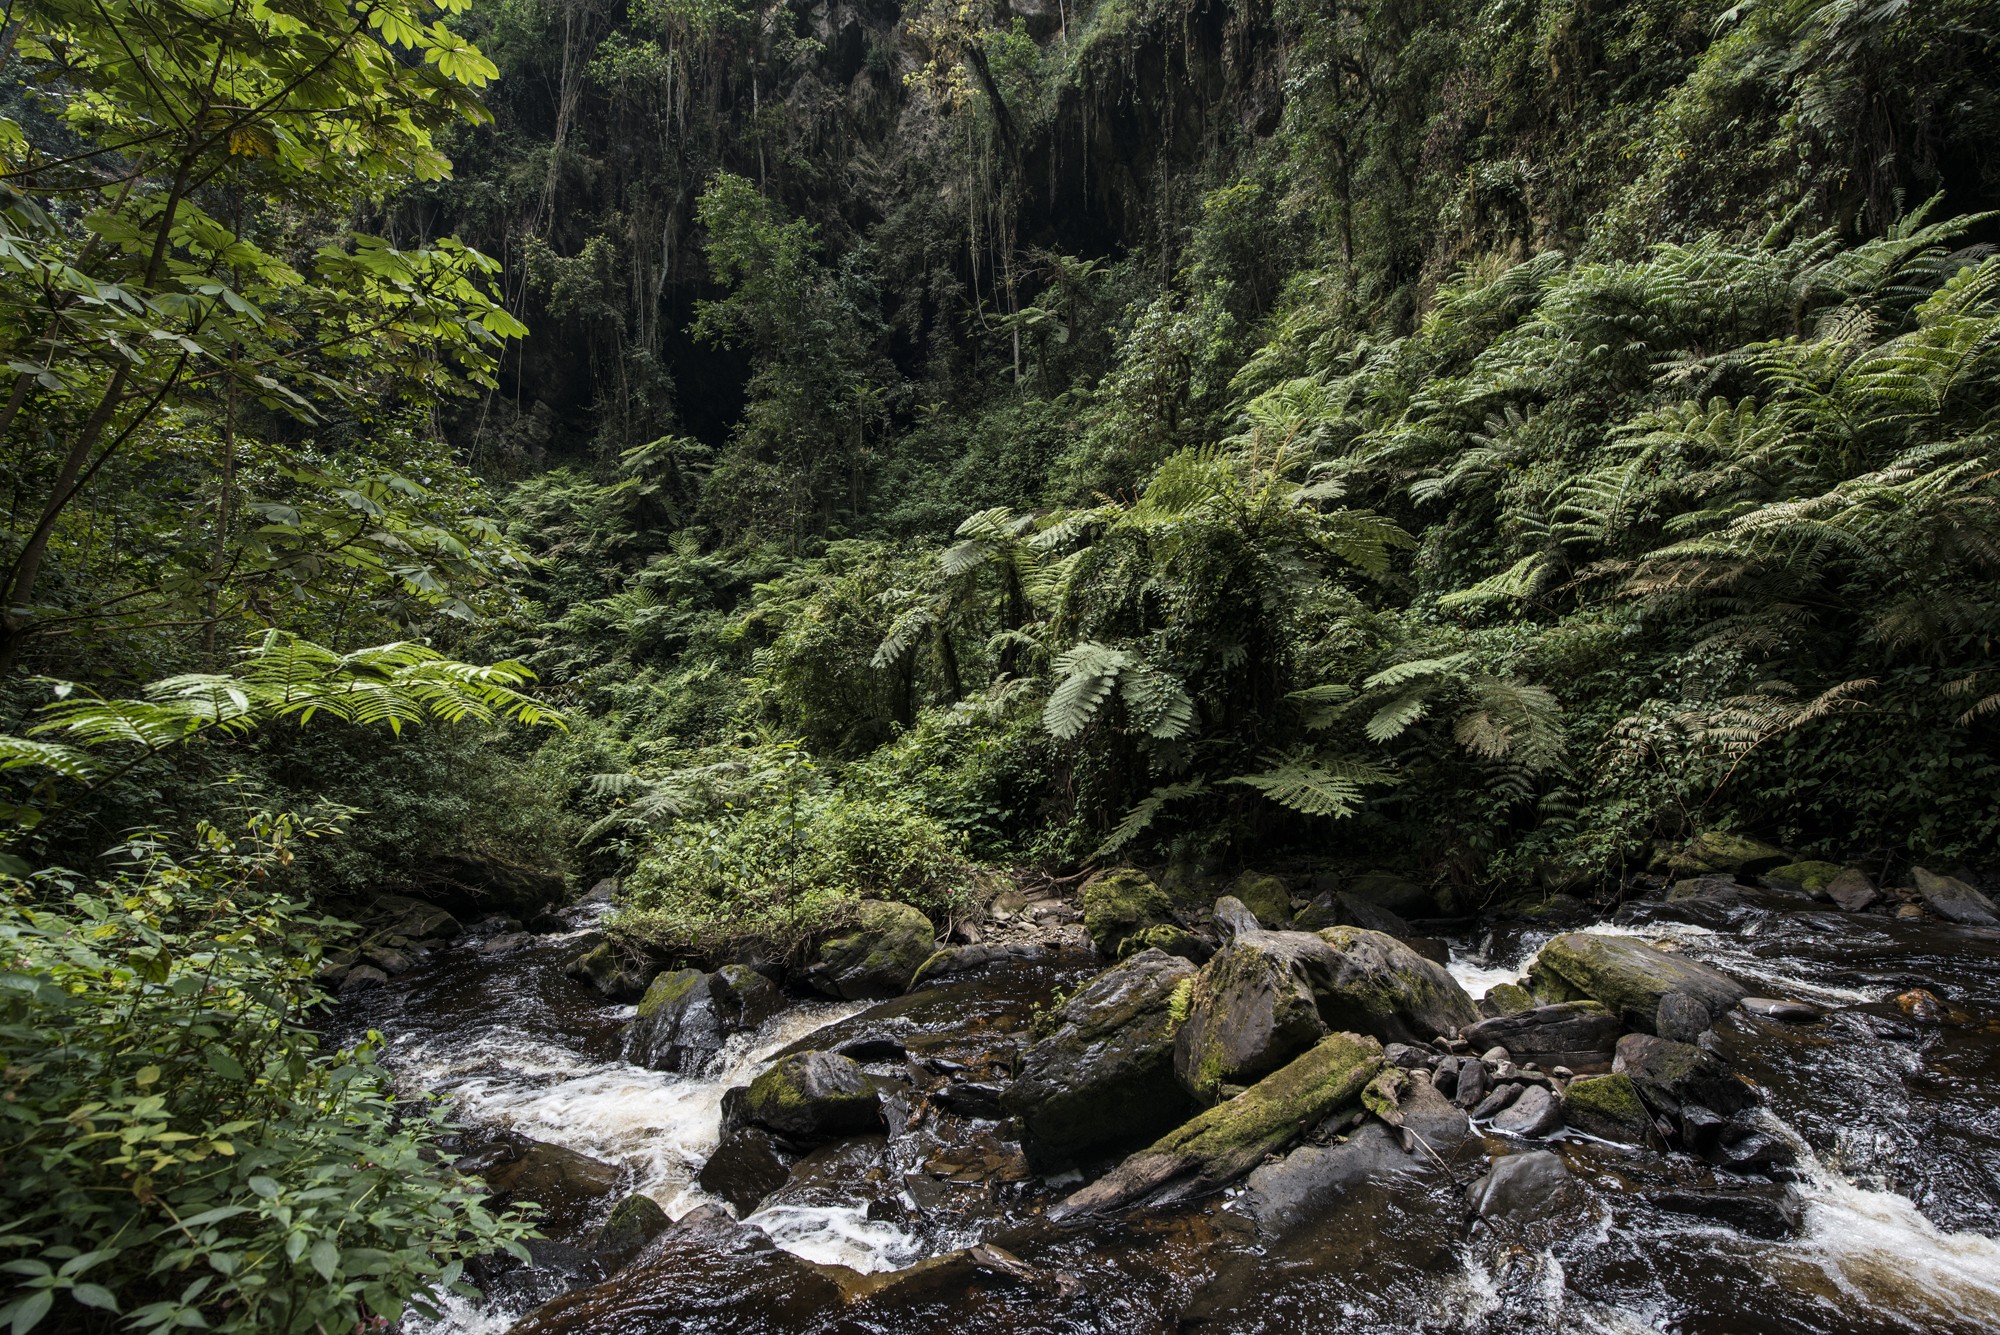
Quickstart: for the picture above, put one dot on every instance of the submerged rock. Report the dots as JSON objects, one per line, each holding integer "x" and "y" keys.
{"x": 1576, "y": 1034}
{"x": 876, "y": 957}
{"x": 1774, "y": 1211}
{"x": 814, "y": 1096}
{"x": 1954, "y": 900}
{"x": 1229, "y": 1140}
{"x": 1121, "y": 903}
{"x": 1628, "y": 976}
{"x": 1105, "y": 1074}
{"x": 1253, "y": 1008}
{"x": 1379, "y": 986}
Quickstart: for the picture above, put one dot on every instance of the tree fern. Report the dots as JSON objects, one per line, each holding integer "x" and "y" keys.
{"x": 1315, "y": 785}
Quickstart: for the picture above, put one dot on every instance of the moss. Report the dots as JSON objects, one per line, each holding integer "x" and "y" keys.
{"x": 1181, "y": 1001}
{"x": 1119, "y": 904}
{"x": 1167, "y": 937}
{"x": 667, "y": 990}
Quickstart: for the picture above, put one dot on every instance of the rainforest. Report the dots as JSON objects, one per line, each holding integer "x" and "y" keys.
{"x": 1034, "y": 665}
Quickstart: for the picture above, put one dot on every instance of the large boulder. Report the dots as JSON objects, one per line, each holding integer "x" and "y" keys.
{"x": 1121, "y": 903}
{"x": 1253, "y": 1008}
{"x": 1220, "y": 1145}
{"x": 1576, "y": 1034}
{"x": 1720, "y": 851}
{"x": 1954, "y": 900}
{"x": 1265, "y": 896}
{"x": 875, "y": 957}
{"x": 619, "y": 973}
{"x": 417, "y": 919}
{"x": 1105, "y": 1073}
{"x": 570, "y": 1187}
{"x": 687, "y": 1015}
{"x": 1628, "y": 977}
{"x": 1380, "y": 986}
{"x": 1670, "y": 1076}
{"x": 813, "y": 1096}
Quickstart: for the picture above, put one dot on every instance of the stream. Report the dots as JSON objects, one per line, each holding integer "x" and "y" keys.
{"x": 1896, "y": 1117}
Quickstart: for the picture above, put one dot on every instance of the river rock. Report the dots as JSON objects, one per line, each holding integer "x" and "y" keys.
{"x": 1525, "y": 1188}
{"x": 361, "y": 977}
{"x": 1576, "y": 1034}
{"x": 1670, "y": 1076}
{"x": 1682, "y": 1017}
{"x": 1379, "y": 986}
{"x": 1229, "y": 1140}
{"x": 634, "y": 1222}
{"x": 1789, "y": 1012}
{"x": 1309, "y": 1182}
{"x": 687, "y": 1015}
{"x": 1811, "y": 877}
{"x": 1171, "y": 938}
{"x": 570, "y": 1187}
{"x": 1608, "y": 1107}
{"x": 954, "y": 960}
{"x": 416, "y": 918}
{"x": 877, "y": 956}
{"x": 1472, "y": 1084}
{"x": 1232, "y": 918}
{"x": 1536, "y": 1113}
{"x": 1121, "y": 903}
{"x": 1265, "y": 896}
{"x": 745, "y": 1168}
{"x": 1721, "y": 851}
{"x": 1338, "y": 910}
{"x": 619, "y": 974}
{"x": 814, "y": 1096}
{"x": 1853, "y": 890}
{"x": 1954, "y": 900}
{"x": 1506, "y": 999}
{"x": 1773, "y": 1212}
{"x": 1627, "y": 976}
{"x": 1105, "y": 1074}
{"x": 1253, "y": 1008}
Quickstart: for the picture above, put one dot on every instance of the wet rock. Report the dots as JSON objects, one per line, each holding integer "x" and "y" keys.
{"x": 813, "y": 1096}
{"x": 1379, "y": 986}
{"x": 634, "y": 1222}
{"x": 1309, "y": 1181}
{"x": 745, "y": 1168}
{"x": 1575, "y": 1034}
{"x": 360, "y": 978}
{"x": 1232, "y": 918}
{"x": 1853, "y": 890}
{"x": 1628, "y": 977}
{"x": 1774, "y": 1212}
{"x": 954, "y": 960}
{"x": 1790, "y": 1012}
{"x": 1524, "y": 1188}
{"x": 1810, "y": 877}
{"x": 1337, "y": 910}
{"x": 1608, "y": 1107}
{"x": 1533, "y": 1115}
{"x": 546, "y": 923}
{"x": 687, "y": 1015}
{"x": 391, "y": 962}
{"x": 1682, "y": 1017}
{"x": 1105, "y": 1074}
{"x": 1917, "y": 1003}
{"x": 1506, "y": 999}
{"x": 974, "y": 1098}
{"x": 1121, "y": 903}
{"x": 1472, "y": 1084}
{"x": 1170, "y": 938}
{"x": 1265, "y": 896}
{"x": 415, "y": 918}
{"x": 570, "y": 1187}
{"x": 877, "y": 956}
{"x": 1229, "y": 1140}
{"x": 1397, "y": 894}
{"x": 1720, "y": 851}
{"x": 619, "y": 974}
{"x": 1669, "y": 1076}
{"x": 1253, "y": 1008}
{"x": 1498, "y": 1099}
{"x": 1954, "y": 900}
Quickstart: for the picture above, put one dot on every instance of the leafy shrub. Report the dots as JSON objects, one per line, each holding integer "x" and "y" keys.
{"x": 179, "y": 1149}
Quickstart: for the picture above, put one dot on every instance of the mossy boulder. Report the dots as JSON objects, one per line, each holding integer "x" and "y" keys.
{"x": 634, "y": 1222}
{"x": 877, "y": 956}
{"x": 1229, "y": 1140}
{"x": 1379, "y": 986}
{"x": 686, "y": 1016}
{"x": 1608, "y": 1107}
{"x": 1811, "y": 877}
{"x": 618, "y": 973}
{"x": 1265, "y": 896}
{"x": 1628, "y": 977}
{"x": 1253, "y": 1008}
{"x": 814, "y": 1096}
{"x": 1506, "y": 999}
{"x": 1105, "y": 1073}
{"x": 1119, "y": 904}
{"x": 1954, "y": 900}
{"x": 1720, "y": 851}
{"x": 1170, "y": 939}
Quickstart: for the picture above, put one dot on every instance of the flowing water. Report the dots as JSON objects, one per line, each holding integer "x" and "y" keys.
{"x": 1897, "y": 1118}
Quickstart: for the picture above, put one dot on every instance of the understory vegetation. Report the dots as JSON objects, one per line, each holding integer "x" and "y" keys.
{"x": 789, "y": 454}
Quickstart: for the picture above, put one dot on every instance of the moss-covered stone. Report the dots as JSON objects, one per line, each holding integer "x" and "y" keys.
{"x": 634, "y": 1222}
{"x": 1607, "y": 1106}
{"x": 669, "y": 989}
{"x": 1170, "y": 939}
{"x": 1628, "y": 977}
{"x": 1119, "y": 904}
{"x": 813, "y": 1096}
{"x": 619, "y": 974}
{"x": 1105, "y": 1072}
{"x": 877, "y": 956}
{"x": 1265, "y": 896}
{"x": 1506, "y": 999}
{"x": 1384, "y": 1093}
{"x": 1811, "y": 877}
{"x": 1231, "y": 1138}
{"x": 1719, "y": 851}
{"x": 1254, "y": 1007}
{"x": 1380, "y": 986}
